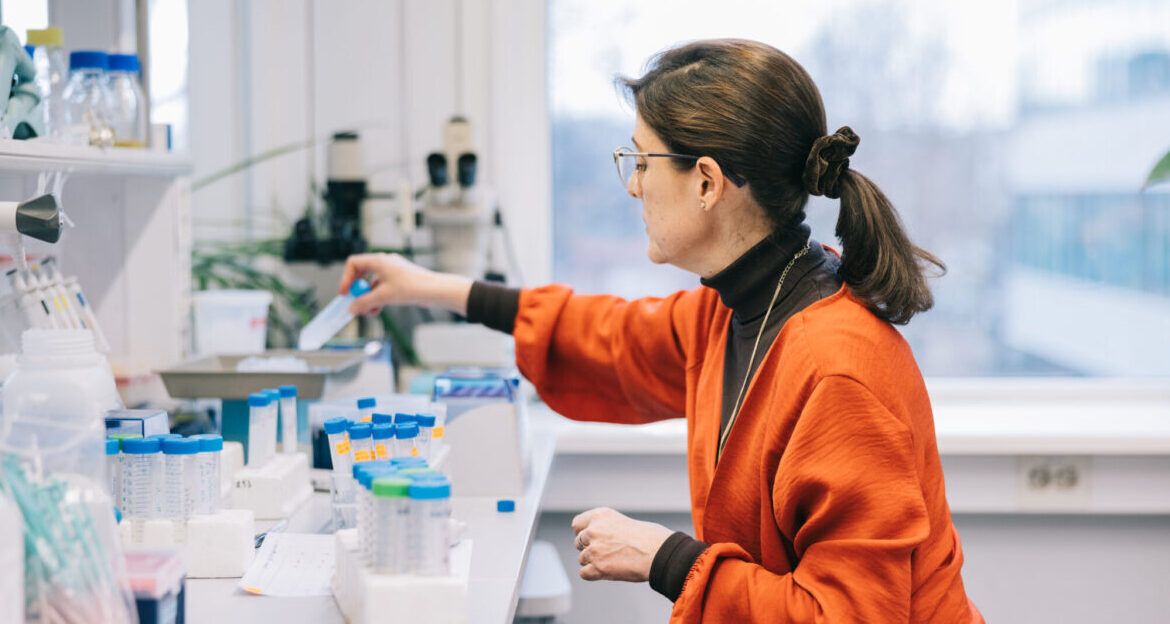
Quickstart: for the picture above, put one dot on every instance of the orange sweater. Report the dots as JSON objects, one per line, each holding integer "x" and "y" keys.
{"x": 828, "y": 501}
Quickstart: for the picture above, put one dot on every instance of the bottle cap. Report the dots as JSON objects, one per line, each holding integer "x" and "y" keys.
{"x": 52, "y": 36}
{"x": 400, "y": 418}
{"x": 391, "y": 487}
{"x": 505, "y": 505}
{"x": 112, "y": 446}
{"x": 273, "y": 395}
{"x": 140, "y": 446}
{"x": 209, "y": 442}
{"x": 89, "y": 59}
{"x": 360, "y": 431}
{"x": 409, "y": 462}
{"x": 124, "y": 62}
{"x": 425, "y": 420}
{"x": 405, "y": 431}
{"x": 383, "y": 432}
{"x": 431, "y": 489}
{"x": 180, "y": 446}
{"x": 336, "y": 425}
{"x": 382, "y": 419}
{"x": 287, "y": 391}
{"x": 258, "y": 399}
{"x": 365, "y": 402}
{"x": 359, "y": 287}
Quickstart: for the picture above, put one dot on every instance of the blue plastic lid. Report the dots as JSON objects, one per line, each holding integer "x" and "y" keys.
{"x": 359, "y": 287}
{"x": 409, "y": 462}
{"x": 124, "y": 62}
{"x": 30, "y": 49}
{"x": 383, "y": 432}
{"x": 287, "y": 391}
{"x": 365, "y": 477}
{"x": 112, "y": 446}
{"x": 400, "y": 418}
{"x": 505, "y": 505}
{"x": 164, "y": 436}
{"x": 89, "y": 59}
{"x": 425, "y": 420}
{"x": 140, "y": 446}
{"x": 382, "y": 419}
{"x": 360, "y": 431}
{"x": 209, "y": 442}
{"x": 180, "y": 446}
{"x": 273, "y": 395}
{"x": 365, "y": 402}
{"x": 430, "y": 489}
{"x": 336, "y": 425}
{"x": 258, "y": 399}
{"x": 405, "y": 431}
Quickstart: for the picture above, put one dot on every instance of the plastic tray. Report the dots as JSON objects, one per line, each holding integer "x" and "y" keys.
{"x": 216, "y": 376}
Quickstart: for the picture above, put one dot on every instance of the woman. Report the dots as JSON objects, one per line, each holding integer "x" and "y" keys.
{"x": 816, "y": 488}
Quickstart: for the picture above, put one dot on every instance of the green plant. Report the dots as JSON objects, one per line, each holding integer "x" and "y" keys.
{"x": 1159, "y": 174}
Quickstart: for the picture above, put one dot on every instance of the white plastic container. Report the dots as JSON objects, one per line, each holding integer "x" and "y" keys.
{"x": 383, "y": 435}
{"x": 337, "y": 430}
{"x": 392, "y": 507}
{"x": 230, "y": 321}
{"x": 257, "y": 428}
{"x": 366, "y": 407}
{"x": 60, "y": 377}
{"x": 426, "y": 427}
{"x": 361, "y": 438}
{"x": 142, "y": 470}
{"x": 207, "y": 497}
{"x": 288, "y": 419}
{"x": 430, "y": 511}
{"x": 181, "y": 481}
{"x": 332, "y": 318}
{"x": 405, "y": 435}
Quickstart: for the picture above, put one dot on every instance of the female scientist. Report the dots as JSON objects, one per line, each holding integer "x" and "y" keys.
{"x": 816, "y": 488}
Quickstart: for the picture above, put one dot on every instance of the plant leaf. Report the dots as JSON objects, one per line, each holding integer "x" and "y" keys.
{"x": 1160, "y": 173}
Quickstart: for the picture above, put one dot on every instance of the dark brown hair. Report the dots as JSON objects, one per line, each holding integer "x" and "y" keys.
{"x": 758, "y": 114}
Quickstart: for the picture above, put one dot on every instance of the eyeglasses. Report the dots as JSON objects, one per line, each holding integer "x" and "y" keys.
{"x": 627, "y": 162}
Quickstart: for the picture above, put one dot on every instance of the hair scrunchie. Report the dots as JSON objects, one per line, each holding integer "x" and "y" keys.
{"x": 828, "y": 160}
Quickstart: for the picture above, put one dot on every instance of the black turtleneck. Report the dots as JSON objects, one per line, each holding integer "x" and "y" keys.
{"x": 746, "y": 286}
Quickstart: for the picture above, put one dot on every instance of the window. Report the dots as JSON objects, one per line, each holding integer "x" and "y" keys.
{"x": 1012, "y": 135}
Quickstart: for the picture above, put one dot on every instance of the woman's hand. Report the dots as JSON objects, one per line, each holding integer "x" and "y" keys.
{"x": 615, "y": 547}
{"x": 398, "y": 281}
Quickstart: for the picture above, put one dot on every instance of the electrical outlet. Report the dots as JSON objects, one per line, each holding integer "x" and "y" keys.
{"x": 1053, "y": 482}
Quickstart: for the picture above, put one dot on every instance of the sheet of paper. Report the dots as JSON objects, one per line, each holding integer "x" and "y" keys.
{"x": 291, "y": 564}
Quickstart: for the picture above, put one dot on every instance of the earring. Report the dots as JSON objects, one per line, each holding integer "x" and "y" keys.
{"x": 702, "y": 205}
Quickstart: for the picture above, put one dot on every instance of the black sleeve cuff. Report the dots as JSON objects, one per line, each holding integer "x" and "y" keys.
{"x": 673, "y": 562}
{"x": 493, "y": 306}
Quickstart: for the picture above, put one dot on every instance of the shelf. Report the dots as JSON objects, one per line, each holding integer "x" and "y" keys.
{"x": 36, "y": 156}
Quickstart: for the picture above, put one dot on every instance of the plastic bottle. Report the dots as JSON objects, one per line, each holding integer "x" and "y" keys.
{"x": 430, "y": 511}
{"x": 114, "y": 470}
{"x": 332, "y": 318}
{"x": 288, "y": 419}
{"x": 383, "y": 440}
{"x": 128, "y": 110}
{"x": 361, "y": 437}
{"x": 257, "y": 427}
{"x": 60, "y": 377}
{"x": 52, "y": 69}
{"x": 391, "y": 519}
{"x": 181, "y": 482}
{"x": 366, "y": 409}
{"x": 210, "y": 484}
{"x": 337, "y": 430}
{"x": 404, "y": 438}
{"x": 426, "y": 425}
{"x": 87, "y": 100}
{"x": 141, "y": 482}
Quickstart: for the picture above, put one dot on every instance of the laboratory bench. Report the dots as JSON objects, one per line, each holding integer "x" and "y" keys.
{"x": 500, "y": 545}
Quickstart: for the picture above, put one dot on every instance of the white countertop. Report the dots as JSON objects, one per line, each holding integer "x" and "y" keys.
{"x": 501, "y": 542}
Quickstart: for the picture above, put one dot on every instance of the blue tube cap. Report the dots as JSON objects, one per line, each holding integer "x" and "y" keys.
{"x": 382, "y": 419}
{"x": 209, "y": 442}
{"x": 112, "y": 446}
{"x": 288, "y": 391}
{"x": 430, "y": 489}
{"x": 180, "y": 446}
{"x": 404, "y": 418}
{"x": 140, "y": 446}
{"x": 409, "y": 462}
{"x": 360, "y": 431}
{"x": 405, "y": 431}
{"x": 425, "y": 420}
{"x": 505, "y": 505}
{"x": 258, "y": 399}
{"x": 359, "y": 287}
{"x": 383, "y": 432}
{"x": 366, "y": 402}
{"x": 336, "y": 425}
{"x": 164, "y": 436}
